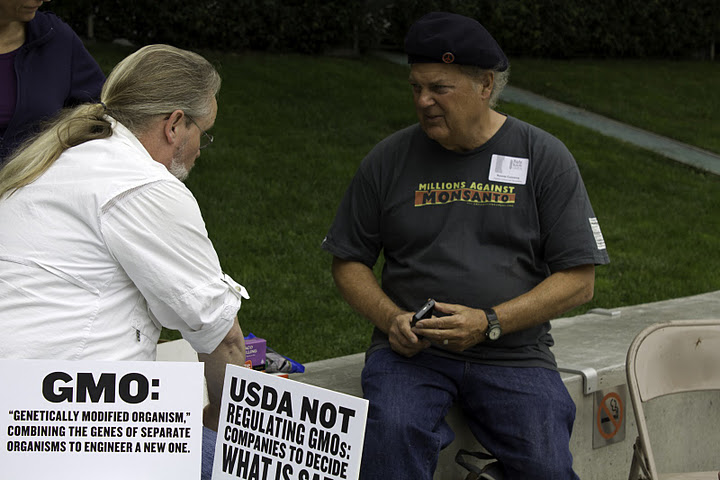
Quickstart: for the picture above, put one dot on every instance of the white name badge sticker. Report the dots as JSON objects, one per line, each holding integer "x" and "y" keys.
{"x": 509, "y": 169}
{"x": 90, "y": 419}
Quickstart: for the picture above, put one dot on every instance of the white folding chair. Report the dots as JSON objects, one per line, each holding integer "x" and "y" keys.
{"x": 670, "y": 358}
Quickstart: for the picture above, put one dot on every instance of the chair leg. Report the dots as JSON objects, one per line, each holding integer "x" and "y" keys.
{"x": 634, "y": 469}
{"x": 638, "y": 467}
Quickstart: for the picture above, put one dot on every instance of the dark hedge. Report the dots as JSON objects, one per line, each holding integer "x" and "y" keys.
{"x": 549, "y": 28}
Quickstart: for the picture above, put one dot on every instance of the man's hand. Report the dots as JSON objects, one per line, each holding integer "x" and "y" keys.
{"x": 211, "y": 416}
{"x": 462, "y": 328}
{"x": 359, "y": 287}
{"x": 403, "y": 339}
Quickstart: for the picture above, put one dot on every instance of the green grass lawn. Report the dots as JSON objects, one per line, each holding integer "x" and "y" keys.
{"x": 677, "y": 99}
{"x": 292, "y": 129}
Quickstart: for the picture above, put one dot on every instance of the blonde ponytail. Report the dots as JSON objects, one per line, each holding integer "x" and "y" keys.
{"x": 72, "y": 127}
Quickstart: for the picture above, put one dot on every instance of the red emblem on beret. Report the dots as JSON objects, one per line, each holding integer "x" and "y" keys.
{"x": 448, "y": 57}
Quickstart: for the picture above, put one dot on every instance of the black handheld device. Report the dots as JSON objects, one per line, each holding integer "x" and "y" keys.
{"x": 425, "y": 312}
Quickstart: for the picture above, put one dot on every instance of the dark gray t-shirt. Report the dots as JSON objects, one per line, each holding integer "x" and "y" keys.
{"x": 476, "y": 228}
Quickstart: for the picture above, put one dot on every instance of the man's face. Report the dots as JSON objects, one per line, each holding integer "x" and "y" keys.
{"x": 188, "y": 148}
{"x": 448, "y": 103}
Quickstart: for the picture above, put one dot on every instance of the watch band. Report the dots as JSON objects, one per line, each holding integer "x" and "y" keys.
{"x": 494, "y": 330}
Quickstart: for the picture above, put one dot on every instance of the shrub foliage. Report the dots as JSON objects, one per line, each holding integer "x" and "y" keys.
{"x": 548, "y": 28}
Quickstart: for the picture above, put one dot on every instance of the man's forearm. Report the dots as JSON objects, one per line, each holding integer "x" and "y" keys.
{"x": 231, "y": 350}
{"x": 557, "y": 294}
{"x": 360, "y": 289}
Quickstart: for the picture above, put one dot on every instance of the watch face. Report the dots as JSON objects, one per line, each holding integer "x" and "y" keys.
{"x": 494, "y": 333}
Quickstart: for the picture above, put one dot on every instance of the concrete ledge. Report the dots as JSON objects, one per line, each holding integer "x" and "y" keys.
{"x": 596, "y": 342}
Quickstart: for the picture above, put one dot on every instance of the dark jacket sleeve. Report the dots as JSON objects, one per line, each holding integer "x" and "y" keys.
{"x": 53, "y": 70}
{"x": 87, "y": 78}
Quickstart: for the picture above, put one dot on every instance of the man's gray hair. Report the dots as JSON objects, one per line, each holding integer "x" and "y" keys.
{"x": 478, "y": 75}
{"x": 157, "y": 80}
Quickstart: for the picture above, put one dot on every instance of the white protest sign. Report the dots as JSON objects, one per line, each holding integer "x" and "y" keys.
{"x": 273, "y": 428}
{"x": 90, "y": 419}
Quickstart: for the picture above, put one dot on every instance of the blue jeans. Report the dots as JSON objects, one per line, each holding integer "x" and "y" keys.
{"x": 523, "y": 416}
{"x": 208, "y": 453}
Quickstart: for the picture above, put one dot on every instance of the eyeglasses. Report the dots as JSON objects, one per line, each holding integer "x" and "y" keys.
{"x": 207, "y": 139}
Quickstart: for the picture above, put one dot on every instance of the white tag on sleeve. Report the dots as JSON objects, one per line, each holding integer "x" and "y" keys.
{"x": 599, "y": 240}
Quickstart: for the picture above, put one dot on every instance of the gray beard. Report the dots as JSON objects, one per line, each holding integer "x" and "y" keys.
{"x": 178, "y": 170}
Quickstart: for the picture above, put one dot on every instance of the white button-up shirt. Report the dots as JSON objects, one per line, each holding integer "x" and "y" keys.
{"x": 102, "y": 251}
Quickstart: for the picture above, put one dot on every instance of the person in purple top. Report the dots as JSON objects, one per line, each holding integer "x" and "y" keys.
{"x": 44, "y": 67}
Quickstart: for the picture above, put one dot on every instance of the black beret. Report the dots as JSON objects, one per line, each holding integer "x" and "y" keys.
{"x": 441, "y": 37}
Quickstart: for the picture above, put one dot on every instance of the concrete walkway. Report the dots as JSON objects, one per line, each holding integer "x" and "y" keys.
{"x": 678, "y": 151}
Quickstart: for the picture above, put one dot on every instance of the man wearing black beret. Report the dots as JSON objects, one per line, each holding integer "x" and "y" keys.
{"x": 488, "y": 216}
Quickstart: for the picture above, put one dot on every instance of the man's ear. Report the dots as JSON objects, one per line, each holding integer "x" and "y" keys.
{"x": 172, "y": 123}
{"x": 488, "y": 82}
